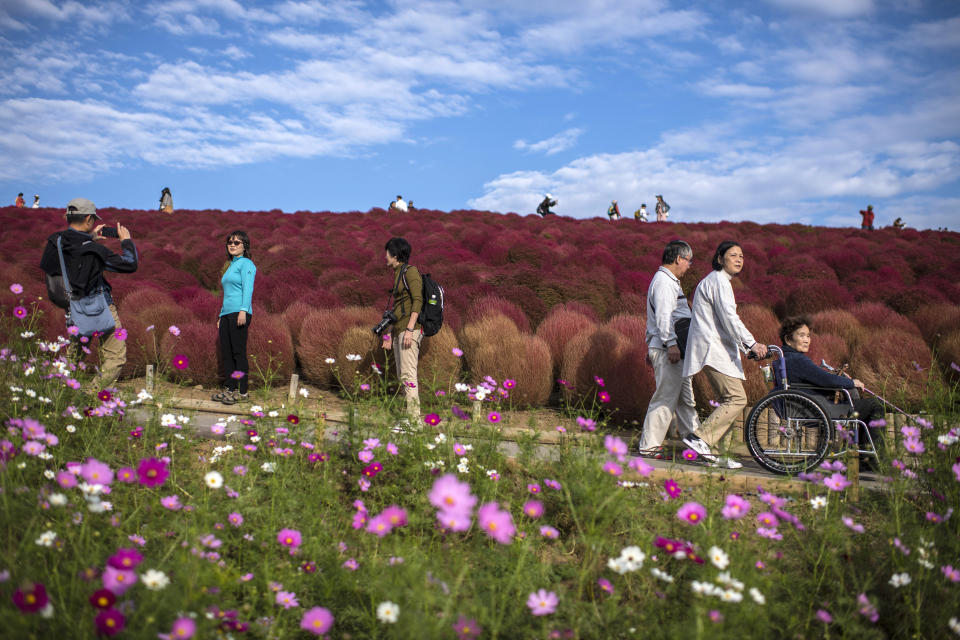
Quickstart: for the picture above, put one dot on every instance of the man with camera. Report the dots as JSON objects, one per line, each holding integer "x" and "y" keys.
{"x": 405, "y": 336}
{"x": 86, "y": 260}
{"x": 668, "y": 316}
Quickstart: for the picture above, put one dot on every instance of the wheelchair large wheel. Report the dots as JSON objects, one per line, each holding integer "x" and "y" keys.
{"x": 788, "y": 432}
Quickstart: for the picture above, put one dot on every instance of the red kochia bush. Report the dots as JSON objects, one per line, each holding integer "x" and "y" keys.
{"x": 936, "y": 320}
{"x": 810, "y": 296}
{"x": 829, "y": 347}
{"x": 198, "y": 342}
{"x": 294, "y": 316}
{"x": 491, "y": 305}
{"x": 561, "y": 325}
{"x": 948, "y": 353}
{"x": 439, "y": 368}
{"x": 521, "y": 357}
{"x": 839, "y": 322}
{"x": 876, "y": 315}
{"x": 320, "y": 334}
{"x": 270, "y": 350}
{"x": 892, "y": 362}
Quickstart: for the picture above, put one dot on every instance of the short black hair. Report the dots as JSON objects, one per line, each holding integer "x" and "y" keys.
{"x": 399, "y": 248}
{"x": 725, "y": 246}
{"x": 790, "y": 326}
{"x": 676, "y": 249}
{"x": 242, "y": 236}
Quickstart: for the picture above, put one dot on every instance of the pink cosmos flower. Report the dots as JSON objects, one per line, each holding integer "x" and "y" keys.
{"x": 772, "y": 534}
{"x": 603, "y": 396}
{"x": 951, "y": 574}
{"x": 493, "y": 417}
{"x": 182, "y": 629}
{"x": 605, "y": 585}
{"x": 287, "y": 599}
{"x": 290, "y": 538}
{"x": 616, "y": 447}
{"x": 118, "y": 580}
{"x": 33, "y": 448}
{"x": 127, "y": 559}
{"x": 850, "y": 524}
{"x": 586, "y": 423}
{"x": 836, "y": 482}
{"x": 715, "y": 616}
{"x": 467, "y": 628}
{"x": 152, "y": 472}
{"x": 17, "y": 288}
{"x": 672, "y": 488}
{"x": 126, "y": 475}
{"x": 395, "y": 515}
{"x": 217, "y": 428}
{"x": 533, "y": 508}
{"x": 365, "y": 456}
{"x": 457, "y": 352}
{"x": 767, "y": 519}
{"x": 454, "y": 520}
{"x": 20, "y": 312}
{"x": 351, "y": 564}
{"x": 96, "y": 472}
{"x": 533, "y": 488}
{"x": 449, "y": 494}
{"x": 235, "y": 519}
{"x": 174, "y": 330}
{"x": 599, "y": 381}
{"x": 392, "y": 449}
{"x": 542, "y": 602}
{"x": 496, "y": 522}
{"x": 735, "y": 507}
{"x": 641, "y": 466}
{"x": 317, "y": 621}
{"x": 612, "y": 468}
{"x": 692, "y": 512}
{"x": 914, "y": 445}
{"x": 379, "y": 526}
{"x": 867, "y": 609}
{"x": 120, "y": 334}
{"x": 549, "y": 532}
{"x": 824, "y": 616}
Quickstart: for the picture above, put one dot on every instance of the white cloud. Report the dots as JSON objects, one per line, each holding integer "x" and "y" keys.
{"x": 830, "y": 8}
{"x": 941, "y": 34}
{"x": 554, "y": 144}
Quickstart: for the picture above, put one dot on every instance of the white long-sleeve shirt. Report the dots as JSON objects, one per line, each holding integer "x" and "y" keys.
{"x": 665, "y": 305}
{"x": 717, "y": 334}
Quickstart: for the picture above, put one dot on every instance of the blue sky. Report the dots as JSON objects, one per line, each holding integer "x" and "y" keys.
{"x": 772, "y": 110}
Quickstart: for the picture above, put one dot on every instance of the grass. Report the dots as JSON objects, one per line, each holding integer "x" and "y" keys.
{"x": 726, "y": 578}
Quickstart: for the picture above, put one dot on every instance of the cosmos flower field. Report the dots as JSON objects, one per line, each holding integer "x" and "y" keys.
{"x": 119, "y": 519}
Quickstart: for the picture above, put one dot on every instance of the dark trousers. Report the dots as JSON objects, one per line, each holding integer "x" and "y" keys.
{"x": 233, "y": 351}
{"x": 870, "y": 409}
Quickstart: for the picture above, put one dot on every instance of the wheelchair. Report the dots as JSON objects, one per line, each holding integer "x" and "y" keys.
{"x": 795, "y": 427}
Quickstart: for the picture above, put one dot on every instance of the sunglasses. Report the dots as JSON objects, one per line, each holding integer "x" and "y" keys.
{"x": 234, "y": 242}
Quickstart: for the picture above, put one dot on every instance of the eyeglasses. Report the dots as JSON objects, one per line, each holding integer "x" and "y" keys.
{"x": 231, "y": 243}
{"x": 689, "y": 260}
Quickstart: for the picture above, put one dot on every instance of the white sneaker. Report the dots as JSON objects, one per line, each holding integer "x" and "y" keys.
{"x": 726, "y": 463}
{"x": 696, "y": 443}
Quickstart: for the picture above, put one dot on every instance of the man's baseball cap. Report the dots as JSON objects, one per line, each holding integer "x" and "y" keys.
{"x": 82, "y": 207}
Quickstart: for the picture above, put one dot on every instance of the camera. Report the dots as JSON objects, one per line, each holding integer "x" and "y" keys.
{"x": 109, "y": 232}
{"x": 387, "y": 319}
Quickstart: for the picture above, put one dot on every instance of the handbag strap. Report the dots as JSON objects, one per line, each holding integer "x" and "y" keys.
{"x": 63, "y": 270}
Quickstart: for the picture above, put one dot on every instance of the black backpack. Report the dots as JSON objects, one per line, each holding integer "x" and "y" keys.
{"x": 431, "y": 316}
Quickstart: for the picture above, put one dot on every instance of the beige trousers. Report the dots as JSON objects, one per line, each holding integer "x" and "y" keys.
{"x": 113, "y": 355}
{"x": 732, "y": 400}
{"x": 407, "y": 359}
{"x": 674, "y": 396}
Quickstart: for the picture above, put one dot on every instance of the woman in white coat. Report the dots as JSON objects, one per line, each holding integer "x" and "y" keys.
{"x": 717, "y": 336}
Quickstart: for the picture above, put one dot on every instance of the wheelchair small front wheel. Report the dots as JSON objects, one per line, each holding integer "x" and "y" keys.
{"x": 788, "y": 432}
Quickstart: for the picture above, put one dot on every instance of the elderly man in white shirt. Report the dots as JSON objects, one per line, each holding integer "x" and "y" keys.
{"x": 717, "y": 335}
{"x": 666, "y": 304}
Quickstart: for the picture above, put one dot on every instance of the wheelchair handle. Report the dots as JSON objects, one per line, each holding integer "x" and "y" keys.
{"x": 772, "y": 350}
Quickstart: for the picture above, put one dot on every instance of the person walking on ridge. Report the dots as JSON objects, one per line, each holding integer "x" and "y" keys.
{"x": 166, "y": 200}
{"x": 613, "y": 211}
{"x": 867, "y": 218}
{"x": 19, "y": 202}
{"x": 640, "y": 215}
{"x": 662, "y": 209}
{"x": 544, "y": 207}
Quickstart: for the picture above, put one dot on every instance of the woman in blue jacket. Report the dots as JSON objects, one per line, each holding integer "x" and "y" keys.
{"x": 235, "y": 316}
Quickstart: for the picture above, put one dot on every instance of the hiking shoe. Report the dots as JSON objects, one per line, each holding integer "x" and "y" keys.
{"x": 220, "y": 395}
{"x": 229, "y": 397}
{"x": 725, "y": 463}
{"x": 697, "y": 444}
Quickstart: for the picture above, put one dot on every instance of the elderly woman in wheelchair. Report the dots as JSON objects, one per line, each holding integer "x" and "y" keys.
{"x": 792, "y": 428}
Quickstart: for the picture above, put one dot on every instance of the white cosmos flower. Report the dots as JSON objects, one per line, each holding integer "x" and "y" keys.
{"x": 353, "y": 357}
{"x": 388, "y": 612}
{"x": 57, "y": 499}
{"x": 213, "y": 479}
{"x": 757, "y": 596}
{"x": 729, "y": 595}
{"x": 48, "y": 474}
{"x": 273, "y": 414}
{"x": 71, "y": 429}
{"x": 269, "y": 467}
{"x": 663, "y": 575}
{"x": 154, "y": 580}
{"x": 701, "y": 588}
{"x": 304, "y": 393}
{"x": 954, "y": 625}
{"x": 329, "y": 360}
{"x": 47, "y": 611}
{"x": 900, "y": 579}
{"x": 46, "y": 538}
{"x": 818, "y": 502}
{"x": 718, "y": 557}
{"x": 633, "y": 558}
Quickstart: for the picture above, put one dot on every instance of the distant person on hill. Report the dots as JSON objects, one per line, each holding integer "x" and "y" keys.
{"x": 663, "y": 209}
{"x": 36, "y": 202}
{"x": 867, "y": 220}
{"x": 410, "y": 206}
{"x": 613, "y": 211}
{"x": 716, "y": 337}
{"x": 898, "y": 223}
{"x": 668, "y": 317}
{"x": 236, "y": 313}
{"x": 640, "y": 215}
{"x": 166, "y": 200}
{"x": 399, "y": 205}
{"x": 19, "y": 202}
{"x": 405, "y": 336}
{"x": 86, "y": 261}
{"x": 544, "y": 207}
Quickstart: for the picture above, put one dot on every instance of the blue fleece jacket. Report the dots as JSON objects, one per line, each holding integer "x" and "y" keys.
{"x": 802, "y": 370}
{"x": 237, "y": 284}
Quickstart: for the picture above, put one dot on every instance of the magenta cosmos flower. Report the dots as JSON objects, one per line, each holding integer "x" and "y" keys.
{"x": 152, "y": 472}
{"x": 126, "y": 559}
{"x": 603, "y": 396}
{"x": 317, "y": 621}
{"x": 616, "y": 447}
{"x": 449, "y": 494}
{"x": 31, "y": 599}
{"x": 181, "y": 362}
{"x": 496, "y": 522}
{"x": 289, "y": 538}
{"x": 735, "y": 507}
{"x": 672, "y": 488}
{"x": 110, "y": 622}
{"x": 692, "y": 512}
{"x": 118, "y": 580}
{"x": 493, "y": 417}
{"x": 432, "y": 419}
{"x": 20, "y": 312}
{"x": 542, "y": 602}
{"x": 467, "y": 628}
